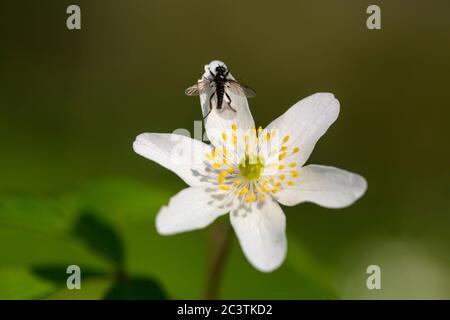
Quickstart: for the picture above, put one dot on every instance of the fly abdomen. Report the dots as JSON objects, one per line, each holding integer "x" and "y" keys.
{"x": 220, "y": 94}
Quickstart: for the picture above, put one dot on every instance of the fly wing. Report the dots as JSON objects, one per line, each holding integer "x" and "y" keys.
{"x": 240, "y": 89}
{"x": 198, "y": 88}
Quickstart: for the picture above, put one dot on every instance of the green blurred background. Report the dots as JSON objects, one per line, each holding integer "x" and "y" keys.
{"x": 72, "y": 191}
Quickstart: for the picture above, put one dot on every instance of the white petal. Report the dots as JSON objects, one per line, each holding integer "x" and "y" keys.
{"x": 326, "y": 186}
{"x": 190, "y": 209}
{"x": 262, "y": 234}
{"x": 182, "y": 155}
{"x": 305, "y": 122}
{"x": 219, "y": 121}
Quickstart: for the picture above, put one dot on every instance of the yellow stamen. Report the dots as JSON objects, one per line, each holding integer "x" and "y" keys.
{"x": 237, "y": 182}
{"x": 224, "y": 136}
{"x": 234, "y": 126}
{"x": 251, "y": 198}
{"x": 285, "y": 139}
{"x": 282, "y": 155}
{"x": 281, "y": 177}
{"x": 224, "y": 188}
{"x": 291, "y": 183}
{"x": 243, "y": 192}
{"x": 283, "y": 148}
{"x": 296, "y": 149}
{"x": 259, "y": 130}
{"x": 224, "y": 173}
{"x": 294, "y": 173}
{"x": 280, "y": 167}
{"x": 216, "y": 165}
{"x": 262, "y": 197}
{"x": 293, "y": 164}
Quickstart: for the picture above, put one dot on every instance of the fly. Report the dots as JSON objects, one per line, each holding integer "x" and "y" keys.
{"x": 217, "y": 77}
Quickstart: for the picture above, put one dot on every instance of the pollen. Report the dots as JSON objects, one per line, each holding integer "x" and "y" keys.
{"x": 234, "y": 126}
{"x": 296, "y": 150}
{"x": 281, "y": 167}
{"x": 283, "y": 148}
{"x": 282, "y": 156}
{"x": 224, "y": 188}
{"x": 290, "y": 183}
{"x": 293, "y": 164}
{"x": 285, "y": 139}
{"x": 294, "y": 173}
{"x": 274, "y": 190}
{"x": 282, "y": 177}
{"x": 262, "y": 197}
{"x": 224, "y": 161}
{"x": 237, "y": 182}
{"x": 259, "y": 130}
{"x": 224, "y": 136}
{"x": 216, "y": 165}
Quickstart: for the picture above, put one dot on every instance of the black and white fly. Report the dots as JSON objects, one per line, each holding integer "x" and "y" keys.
{"x": 217, "y": 78}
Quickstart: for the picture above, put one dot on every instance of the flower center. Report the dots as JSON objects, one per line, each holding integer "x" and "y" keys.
{"x": 251, "y": 167}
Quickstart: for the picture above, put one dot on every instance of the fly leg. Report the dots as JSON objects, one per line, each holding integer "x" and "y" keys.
{"x": 210, "y": 105}
{"x": 229, "y": 102}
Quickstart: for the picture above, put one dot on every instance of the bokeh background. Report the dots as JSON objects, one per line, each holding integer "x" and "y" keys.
{"x": 72, "y": 191}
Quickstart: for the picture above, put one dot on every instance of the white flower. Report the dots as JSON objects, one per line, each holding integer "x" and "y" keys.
{"x": 248, "y": 171}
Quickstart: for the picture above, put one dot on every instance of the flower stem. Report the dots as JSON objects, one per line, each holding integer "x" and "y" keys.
{"x": 219, "y": 246}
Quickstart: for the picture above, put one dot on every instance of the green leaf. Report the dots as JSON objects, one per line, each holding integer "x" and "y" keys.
{"x": 58, "y": 273}
{"x": 91, "y": 289}
{"x": 136, "y": 289}
{"x": 99, "y": 236}
{"x": 20, "y": 283}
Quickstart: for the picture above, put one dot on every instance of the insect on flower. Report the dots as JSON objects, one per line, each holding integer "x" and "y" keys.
{"x": 248, "y": 172}
{"x": 218, "y": 80}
